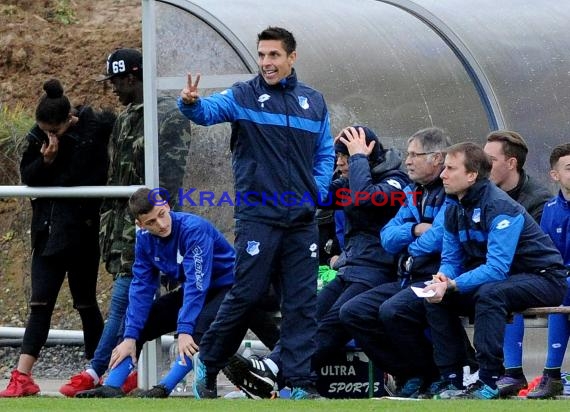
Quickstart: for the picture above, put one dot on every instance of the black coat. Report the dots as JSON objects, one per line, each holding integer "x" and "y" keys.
{"x": 82, "y": 160}
{"x": 363, "y": 258}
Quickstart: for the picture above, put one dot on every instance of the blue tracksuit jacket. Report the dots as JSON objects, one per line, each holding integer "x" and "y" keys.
{"x": 397, "y": 236}
{"x": 195, "y": 254}
{"x": 556, "y": 223}
{"x": 281, "y": 145}
{"x": 488, "y": 236}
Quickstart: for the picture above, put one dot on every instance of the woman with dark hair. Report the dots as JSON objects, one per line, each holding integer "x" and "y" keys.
{"x": 66, "y": 147}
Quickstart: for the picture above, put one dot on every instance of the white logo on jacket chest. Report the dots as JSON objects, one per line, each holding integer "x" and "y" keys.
{"x": 263, "y": 98}
{"x": 303, "y": 102}
{"x": 476, "y": 215}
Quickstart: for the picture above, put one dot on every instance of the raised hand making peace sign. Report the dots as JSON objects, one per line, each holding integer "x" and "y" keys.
{"x": 189, "y": 94}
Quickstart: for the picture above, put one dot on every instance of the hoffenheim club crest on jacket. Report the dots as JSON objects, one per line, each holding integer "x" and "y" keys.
{"x": 303, "y": 102}
{"x": 252, "y": 247}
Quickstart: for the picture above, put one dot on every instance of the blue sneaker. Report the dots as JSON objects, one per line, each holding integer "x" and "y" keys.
{"x": 411, "y": 389}
{"x": 307, "y": 392}
{"x": 201, "y": 386}
{"x": 478, "y": 390}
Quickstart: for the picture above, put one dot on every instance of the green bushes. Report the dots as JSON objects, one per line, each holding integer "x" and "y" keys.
{"x": 64, "y": 12}
{"x": 14, "y": 124}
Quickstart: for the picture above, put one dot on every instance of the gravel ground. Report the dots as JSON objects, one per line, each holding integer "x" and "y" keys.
{"x": 59, "y": 361}
{"x": 55, "y": 362}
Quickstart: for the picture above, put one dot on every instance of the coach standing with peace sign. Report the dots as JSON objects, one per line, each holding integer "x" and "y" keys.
{"x": 281, "y": 143}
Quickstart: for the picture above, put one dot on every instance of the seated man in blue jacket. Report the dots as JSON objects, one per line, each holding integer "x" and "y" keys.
{"x": 415, "y": 235}
{"x": 189, "y": 250}
{"x": 495, "y": 260}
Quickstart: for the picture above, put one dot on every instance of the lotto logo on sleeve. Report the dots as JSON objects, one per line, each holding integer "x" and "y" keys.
{"x": 313, "y": 249}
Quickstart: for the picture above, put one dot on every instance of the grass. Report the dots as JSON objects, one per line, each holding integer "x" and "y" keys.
{"x": 15, "y": 123}
{"x": 64, "y": 12}
{"x": 187, "y": 404}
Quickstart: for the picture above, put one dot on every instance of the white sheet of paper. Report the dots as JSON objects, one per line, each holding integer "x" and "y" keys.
{"x": 420, "y": 293}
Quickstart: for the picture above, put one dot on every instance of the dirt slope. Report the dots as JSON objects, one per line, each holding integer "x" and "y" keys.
{"x": 36, "y": 45}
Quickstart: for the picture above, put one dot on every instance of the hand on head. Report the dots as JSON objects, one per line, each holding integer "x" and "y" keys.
{"x": 355, "y": 141}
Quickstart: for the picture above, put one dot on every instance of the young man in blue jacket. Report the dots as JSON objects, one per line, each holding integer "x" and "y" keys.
{"x": 189, "y": 250}
{"x": 495, "y": 260}
{"x": 556, "y": 223}
{"x": 282, "y": 162}
{"x": 508, "y": 151}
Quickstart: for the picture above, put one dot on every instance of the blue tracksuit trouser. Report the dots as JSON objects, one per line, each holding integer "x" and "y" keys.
{"x": 388, "y": 323}
{"x": 291, "y": 253}
{"x": 489, "y": 304}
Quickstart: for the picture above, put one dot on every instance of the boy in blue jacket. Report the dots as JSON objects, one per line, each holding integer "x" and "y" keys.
{"x": 189, "y": 250}
{"x": 556, "y": 223}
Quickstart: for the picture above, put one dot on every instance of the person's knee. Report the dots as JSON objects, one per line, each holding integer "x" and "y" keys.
{"x": 86, "y": 306}
{"x": 245, "y": 299}
{"x": 40, "y": 309}
{"x": 490, "y": 296}
{"x": 387, "y": 313}
{"x": 349, "y": 313}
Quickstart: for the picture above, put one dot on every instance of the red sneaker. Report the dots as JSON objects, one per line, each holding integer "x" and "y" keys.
{"x": 131, "y": 382}
{"x": 77, "y": 383}
{"x": 20, "y": 385}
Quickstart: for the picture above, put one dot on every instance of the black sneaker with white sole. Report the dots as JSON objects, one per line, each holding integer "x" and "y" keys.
{"x": 252, "y": 376}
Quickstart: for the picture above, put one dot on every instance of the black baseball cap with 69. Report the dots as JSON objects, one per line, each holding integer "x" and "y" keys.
{"x": 122, "y": 62}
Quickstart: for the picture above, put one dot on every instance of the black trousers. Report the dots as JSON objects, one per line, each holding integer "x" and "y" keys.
{"x": 81, "y": 264}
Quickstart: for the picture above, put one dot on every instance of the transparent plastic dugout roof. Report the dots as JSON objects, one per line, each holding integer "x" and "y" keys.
{"x": 396, "y": 66}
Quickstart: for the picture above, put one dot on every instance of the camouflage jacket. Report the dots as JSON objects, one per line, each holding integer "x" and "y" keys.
{"x": 117, "y": 235}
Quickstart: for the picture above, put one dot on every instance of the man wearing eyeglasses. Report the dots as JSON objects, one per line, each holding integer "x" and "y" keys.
{"x": 415, "y": 235}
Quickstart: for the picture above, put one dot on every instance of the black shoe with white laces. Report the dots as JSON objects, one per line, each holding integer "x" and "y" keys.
{"x": 252, "y": 376}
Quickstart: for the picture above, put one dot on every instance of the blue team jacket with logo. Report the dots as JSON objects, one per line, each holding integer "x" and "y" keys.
{"x": 195, "y": 254}
{"x": 488, "y": 236}
{"x": 281, "y": 146}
